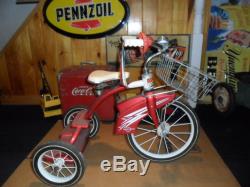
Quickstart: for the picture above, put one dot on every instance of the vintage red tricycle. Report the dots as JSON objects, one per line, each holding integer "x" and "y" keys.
{"x": 157, "y": 124}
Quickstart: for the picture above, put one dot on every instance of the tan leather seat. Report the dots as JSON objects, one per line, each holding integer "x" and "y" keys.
{"x": 100, "y": 76}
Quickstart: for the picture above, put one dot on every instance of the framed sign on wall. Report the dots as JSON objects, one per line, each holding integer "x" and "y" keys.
{"x": 86, "y": 18}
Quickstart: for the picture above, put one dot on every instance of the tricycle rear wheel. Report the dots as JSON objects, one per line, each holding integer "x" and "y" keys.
{"x": 71, "y": 114}
{"x": 58, "y": 164}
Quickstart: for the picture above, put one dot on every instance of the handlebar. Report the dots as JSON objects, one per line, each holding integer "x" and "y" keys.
{"x": 164, "y": 47}
{"x": 149, "y": 60}
{"x": 161, "y": 46}
{"x": 160, "y": 50}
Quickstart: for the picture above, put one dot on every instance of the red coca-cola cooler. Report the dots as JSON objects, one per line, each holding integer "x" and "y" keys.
{"x": 75, "y": 91}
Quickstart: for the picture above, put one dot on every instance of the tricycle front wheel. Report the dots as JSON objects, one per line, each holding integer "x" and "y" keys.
{"x": 175, "y": 136}
{"x": 58, "y": 164}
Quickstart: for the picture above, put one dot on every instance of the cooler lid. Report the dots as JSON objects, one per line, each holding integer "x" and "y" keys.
{"x": 82, "y": 70}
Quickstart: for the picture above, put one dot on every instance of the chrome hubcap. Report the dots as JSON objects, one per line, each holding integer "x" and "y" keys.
{"x": 163, "y": 129}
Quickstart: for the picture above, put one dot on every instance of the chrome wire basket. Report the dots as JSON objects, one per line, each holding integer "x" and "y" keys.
{"x": 187, "y": 79}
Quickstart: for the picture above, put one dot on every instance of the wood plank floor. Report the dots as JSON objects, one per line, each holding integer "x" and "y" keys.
{"x": 201, "y": 167}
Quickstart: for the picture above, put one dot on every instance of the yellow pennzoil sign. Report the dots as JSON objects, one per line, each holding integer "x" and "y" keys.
{"x": 86, "y": 18}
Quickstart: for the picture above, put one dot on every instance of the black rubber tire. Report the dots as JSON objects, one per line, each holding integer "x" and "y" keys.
{"x": 95, "y": 122}
{"x": 65, "y": 148}
{"x": 223, "y": 99}
{"x": 195, "y": 125}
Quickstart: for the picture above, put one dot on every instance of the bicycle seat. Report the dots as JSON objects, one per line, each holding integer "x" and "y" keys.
{"x": 100, "y": 76}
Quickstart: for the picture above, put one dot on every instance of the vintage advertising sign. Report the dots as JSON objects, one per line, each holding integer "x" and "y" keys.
{"x": 86, "y": 18}
{"x": 228, "y": 46}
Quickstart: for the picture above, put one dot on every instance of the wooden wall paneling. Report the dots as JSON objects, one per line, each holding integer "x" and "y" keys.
{"x": 93, "y": 51}
{"x": 37, "y": 46}
{"x": 13, "y": 66}
{"x": 5, "y": 85}
{"x": 86, "y": 50}
{"x": 190, "y": 16}
{"x": 180, "y": 16}
{"x": 78, "y": 51}
{"x": 51, "y": 56}
{"x": 190, "y": 23}
{"x": 35, "y": 29}
{"x": 149, "y": 20}
{"x": 135, "y": 19}
{"x": 64, "y": 52}
{"x": 165, "y": 17}
{"x": 26, "y": 68}
{"x": 12, "y": 62}
{"x": 103, "y": 52}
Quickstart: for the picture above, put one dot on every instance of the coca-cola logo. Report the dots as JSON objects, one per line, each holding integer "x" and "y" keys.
{"x": 83, "y": 90}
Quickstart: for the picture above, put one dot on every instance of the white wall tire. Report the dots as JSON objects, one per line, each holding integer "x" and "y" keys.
{"x": 58, "y": 164}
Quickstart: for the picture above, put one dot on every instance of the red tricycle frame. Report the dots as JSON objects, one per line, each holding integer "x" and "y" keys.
{"x": 157, "y": 124}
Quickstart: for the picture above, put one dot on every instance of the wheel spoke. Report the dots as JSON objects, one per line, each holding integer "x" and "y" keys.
{"x": 150, "y": 117}
{"x": 159, "y": 147}
{"x": 166, "y": 145}
{"x": 147, "y": 140}
{"x": 66, "y": 155}
{"x": 148, "y": 122}
{"x": 57, "y": 173}
{"x": 152, "y": 143}
{"x": 48, "y": 156}
{"x": 51, "y": 171}
{"x": 157, "y": 113}
{"x": 144, "y": 133}
{"x": 171, "y": 114}
{"x": 65, "y": 167}
{"x": 178, "y": 138}
{"x": 69, "y": 167}
{"x": 164, "y": 113}
{"x": 172, "y": 143}
{"x": 180, "y": 124}
{"x": 147, "y": 130}
{"x": 47, "y": 164}
{"x": 68, "y": 160}
{"x": 160, "y": 115}
{"x": 181, "y": 133}
{"x": 178, "y": 120}
{"x": 62, "y": 173}
{"x": 52, "y": 154}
